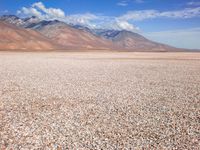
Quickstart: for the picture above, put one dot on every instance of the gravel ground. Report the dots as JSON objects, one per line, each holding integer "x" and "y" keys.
{"x": 99, "y": 101}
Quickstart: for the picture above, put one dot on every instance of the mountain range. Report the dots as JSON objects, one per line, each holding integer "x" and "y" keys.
{"x": 36, "y": 34}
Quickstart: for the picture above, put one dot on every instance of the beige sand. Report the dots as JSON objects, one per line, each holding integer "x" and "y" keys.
{"x": 99, "y": 100}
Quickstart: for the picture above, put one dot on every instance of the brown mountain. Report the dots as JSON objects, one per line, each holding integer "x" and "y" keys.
{"x": 130, "y": 41}
{"x": 135, "y": 42}
{"x": 71, "y": 38}
{"x": 33, "y": 33}
{"x": 16, "y": 38}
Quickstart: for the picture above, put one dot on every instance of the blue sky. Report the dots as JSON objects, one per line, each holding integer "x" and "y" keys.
{"x": 175, "y": 22}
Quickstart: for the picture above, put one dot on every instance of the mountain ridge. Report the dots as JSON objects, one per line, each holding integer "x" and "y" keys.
{"x": 80, "y": 37}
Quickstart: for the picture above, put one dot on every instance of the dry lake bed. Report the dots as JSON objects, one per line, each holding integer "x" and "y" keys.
{"x": 71, "y": 100}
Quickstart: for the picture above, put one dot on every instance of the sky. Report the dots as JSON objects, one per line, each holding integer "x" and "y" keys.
{"x": 174, "y": 22}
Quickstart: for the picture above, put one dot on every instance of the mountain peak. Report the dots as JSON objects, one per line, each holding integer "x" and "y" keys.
{"x": 9, "y": 18}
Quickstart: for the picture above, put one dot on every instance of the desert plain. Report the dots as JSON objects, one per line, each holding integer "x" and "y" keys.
{"x": 99, "y": 100}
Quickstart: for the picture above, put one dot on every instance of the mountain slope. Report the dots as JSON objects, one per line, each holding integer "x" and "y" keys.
{"x": 132, "y": 41}
{"x": 83, "y": 38}
{"x": 129, "y": 41}
{"x": 70, "y": 37}
{"x": 15, "y": 38}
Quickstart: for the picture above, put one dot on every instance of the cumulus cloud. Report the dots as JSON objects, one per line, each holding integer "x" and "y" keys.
{"x": 49, "y": 12}
{"x": 88, "y": 19}
{"x": 124, "y": 25}
{"x": 39, "y": 10}
{"x": 30, "y": 12}
{"x": 82, "y": 19}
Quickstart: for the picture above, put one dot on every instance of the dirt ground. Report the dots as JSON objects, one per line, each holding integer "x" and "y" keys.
{"x": 77, "y": 100}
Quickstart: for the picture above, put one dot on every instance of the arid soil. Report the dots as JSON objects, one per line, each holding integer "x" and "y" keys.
{"x": 99, "y": 100}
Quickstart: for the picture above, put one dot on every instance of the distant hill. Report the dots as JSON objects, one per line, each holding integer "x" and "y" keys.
{"x": 83, "y": 38}
{"x": 133, "y": 41}
{"x": 126, "y": 40}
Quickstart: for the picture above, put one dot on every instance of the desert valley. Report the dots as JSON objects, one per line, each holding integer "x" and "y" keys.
{"x": 68, "y": 86}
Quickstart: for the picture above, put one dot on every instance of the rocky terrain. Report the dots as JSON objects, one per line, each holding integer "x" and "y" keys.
{"x": 99, "y": 100}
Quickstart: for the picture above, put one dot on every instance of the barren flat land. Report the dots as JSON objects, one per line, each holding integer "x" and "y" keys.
{"x": 94, "y": 100}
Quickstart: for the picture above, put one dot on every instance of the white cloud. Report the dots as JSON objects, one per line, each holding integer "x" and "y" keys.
{"x": 123, "y": 22}
{"x": 50, "y": 12}
{"x": 186, "y": 13}
{"x": 30, "y": 12}
{"x": 124, "y": 25}
{"x": 88, "y": 19}
{"x": 139, "y": 15}
{"x": 116, "y": 24}
{"x": 185, "y": 38}
{"x": 82, "y": 19}
{"x": 39, "y": 10}
{"x": 151, "y": 14}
